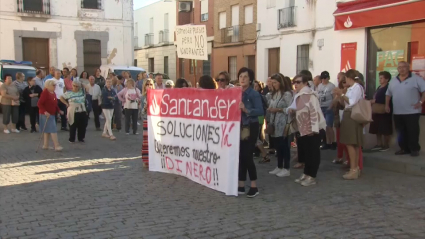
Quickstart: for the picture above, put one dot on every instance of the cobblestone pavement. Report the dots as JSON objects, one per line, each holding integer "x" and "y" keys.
{"x": 99, "y": 190}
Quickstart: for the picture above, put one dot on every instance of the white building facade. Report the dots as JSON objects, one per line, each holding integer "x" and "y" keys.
{"x": 154, "y": 38}
{"x": 300, "y": 35}
{"x": 82, "y": 34}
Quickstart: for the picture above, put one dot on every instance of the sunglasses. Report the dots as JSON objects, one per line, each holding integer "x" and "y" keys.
{"x": 220, "y": 80}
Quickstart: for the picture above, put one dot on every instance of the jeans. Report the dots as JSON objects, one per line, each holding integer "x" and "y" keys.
{"x": 131, "y": 115}
{"x": 108, "y": 119}
{"x": 96, "y": 113}
{"x": 79, "y": 125}
{"x": 62, "y": 107}
{"x": 33, "y": 117}
{"x": 21, "y": 117}
{"x": 408, "y": 129}
{"x": 283, "y": 152}
{"x": 309, "y": 152}
{"x": 246, "y": 157}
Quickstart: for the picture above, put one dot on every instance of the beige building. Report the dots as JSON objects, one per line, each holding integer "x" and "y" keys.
{"x": 235, "y": 34}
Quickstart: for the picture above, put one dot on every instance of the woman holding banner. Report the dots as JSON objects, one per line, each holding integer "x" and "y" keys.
{"x": 251, "y": 107}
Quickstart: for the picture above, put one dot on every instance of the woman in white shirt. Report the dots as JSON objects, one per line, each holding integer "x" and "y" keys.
{"x": 351, "y": 131}
{"x": 130, "y": 98}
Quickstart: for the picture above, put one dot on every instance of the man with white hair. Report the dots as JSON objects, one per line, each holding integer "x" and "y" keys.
{"x": 59, "y": 91}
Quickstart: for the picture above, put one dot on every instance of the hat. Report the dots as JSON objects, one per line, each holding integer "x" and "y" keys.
{"x": 324, "y": 75}
{"x": 169, "y": 83}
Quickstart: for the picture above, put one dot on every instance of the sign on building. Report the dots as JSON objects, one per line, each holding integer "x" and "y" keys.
{"x": 192, "y": 42}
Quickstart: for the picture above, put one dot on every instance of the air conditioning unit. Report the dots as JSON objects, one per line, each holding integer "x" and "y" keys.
{"x": 185, "y": 6}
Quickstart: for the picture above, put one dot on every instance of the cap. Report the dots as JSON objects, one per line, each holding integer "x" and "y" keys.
{"x": 324, "y": 75}
{"x": 169, "y": 83}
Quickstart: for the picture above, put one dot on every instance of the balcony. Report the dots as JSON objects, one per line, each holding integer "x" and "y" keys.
{"x": 34, "y": 8}
{"x": 231, "y": 34}
{"x": 136, "y": 42}
{"x": 149, "y": 40}
{"x": 164, "y": 36}
{"x": 287, "y": 17}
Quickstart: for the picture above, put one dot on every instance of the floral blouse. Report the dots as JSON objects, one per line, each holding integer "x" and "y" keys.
{"x": 280, "y": 119}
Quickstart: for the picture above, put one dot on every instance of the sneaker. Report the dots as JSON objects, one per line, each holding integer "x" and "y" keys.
{"x": 284, "y": 173}
{"x": 138, "y": 123}
{"x": 253, "y": 192}
{"x": 376, "y": 148}
{"x": 6, "y": 131}
{"x": 241, "y": 190}
{"x": 15, "y": 131}
{"x": 275, "y": 171}
{"x": 136, "y": 133}
{"x": 383, "y": 149}
{"x": 415, "y": 154}
{"x": 300, "y": 179}
{"x": 24, "y": 129}
{"x": 308, "y": 181}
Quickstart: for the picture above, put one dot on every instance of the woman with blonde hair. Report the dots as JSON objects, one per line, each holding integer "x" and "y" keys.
{"x": 148, "y": 84}
{"x": 130, "y": 98}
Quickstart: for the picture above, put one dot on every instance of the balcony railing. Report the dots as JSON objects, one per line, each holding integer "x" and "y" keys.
{"x": 287, "y": 17}
{"x": 231, "y": 34}
{"x": 149, "y": 39}
{"x": 164, "y": 36}
{"x": 34, "y": 6}
{"x": 136, "y": 42}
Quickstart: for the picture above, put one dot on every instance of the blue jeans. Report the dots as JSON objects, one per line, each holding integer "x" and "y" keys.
{"x": 283, "y": 152}
{"x": 329, "y": 116}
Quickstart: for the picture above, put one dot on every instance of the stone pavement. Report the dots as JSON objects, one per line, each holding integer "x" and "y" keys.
{"x": 100, "y": 190}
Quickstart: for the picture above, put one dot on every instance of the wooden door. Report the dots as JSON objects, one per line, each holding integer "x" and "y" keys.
{"x": 36, "y": 50}
{"x": 92, "y": 61}
{"x": 274, "y": 61}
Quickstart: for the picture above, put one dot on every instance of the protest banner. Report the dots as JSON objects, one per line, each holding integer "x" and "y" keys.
{"x": 195, "y": 133}
{"x": 192, "y": 42}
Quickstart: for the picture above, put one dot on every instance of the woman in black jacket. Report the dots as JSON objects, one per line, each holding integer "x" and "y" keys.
{"x": 31, "y": 95}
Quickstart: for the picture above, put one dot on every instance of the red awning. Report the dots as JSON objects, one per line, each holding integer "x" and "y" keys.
{"x": 369, "y": 13}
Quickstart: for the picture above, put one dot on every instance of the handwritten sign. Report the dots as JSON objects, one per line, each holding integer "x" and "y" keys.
{"x": 195, "y": 133}
{"x": 192, "y": 42}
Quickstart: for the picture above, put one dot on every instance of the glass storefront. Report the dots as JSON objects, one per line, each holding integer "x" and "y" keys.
{"x": 391, "y": 44}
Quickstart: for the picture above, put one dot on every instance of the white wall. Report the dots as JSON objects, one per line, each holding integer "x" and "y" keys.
{"x": 318, "y": 17}
{"x": 156, "y": 11}
{"x": 67, "y": 17}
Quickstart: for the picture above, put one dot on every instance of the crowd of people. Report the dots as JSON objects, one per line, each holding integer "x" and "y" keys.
{"x": 309, "y": 114}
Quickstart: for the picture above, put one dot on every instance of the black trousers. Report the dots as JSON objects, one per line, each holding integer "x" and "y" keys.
{"x": 79, "y": 126}
{"x": 246, "y": 154}
{"x": 116, "y": 119}
{"x": 283, "y": 152}
{"x": 131, "y": 115}
{"x": 21, "y": 117}
{"x": 96, "y": 113}
{"x": 62, "y": 107}
{"x": 309, "y": 152}
{"x": 33, "y": 116}
{"x": 408, "y": 130}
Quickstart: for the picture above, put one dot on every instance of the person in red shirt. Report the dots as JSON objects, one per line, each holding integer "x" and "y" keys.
{"x": 48, "y": 108}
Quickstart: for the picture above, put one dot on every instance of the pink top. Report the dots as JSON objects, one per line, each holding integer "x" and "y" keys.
{"x": 68, "y": 84}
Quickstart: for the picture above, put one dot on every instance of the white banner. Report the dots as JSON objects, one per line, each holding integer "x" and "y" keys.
{"x": 195, "y": 133}
{"x": 192, "y": 42}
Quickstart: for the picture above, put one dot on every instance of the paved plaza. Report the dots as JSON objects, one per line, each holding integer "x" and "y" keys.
{"x": 100, "y": 190}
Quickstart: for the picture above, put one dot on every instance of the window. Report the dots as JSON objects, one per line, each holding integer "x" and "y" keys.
{"x": 222, "y": 20}
{"x": 271, "y": 3}
{"x": 166, "y": 65}
{"x": 302, "y": 57}
{"x": 151, "y": 65}
{"x": 204, "y": 10}
{"x": 233, "y": 68}
{"x": 135, "y": 62}
{"x": 249, "y": 14}
{"x": 206, "y": 67}
{"x": 165, "y": 21}
{"x": 235, "y": 15}
{"x": 91, "y": 55}
{"x": 33, "y": 5}
{"x": 91, "y": 4}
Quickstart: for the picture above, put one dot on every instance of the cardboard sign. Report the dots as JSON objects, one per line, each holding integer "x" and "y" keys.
{"x": 192, "y": 42}
{"x": 195, "y": 133}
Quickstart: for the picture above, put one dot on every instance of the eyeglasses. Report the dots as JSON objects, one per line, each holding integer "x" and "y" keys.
{"x": 220, "y": 80}
{"x": 297, "y": 82}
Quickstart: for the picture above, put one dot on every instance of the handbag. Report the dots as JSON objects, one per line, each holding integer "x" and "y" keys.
{"x": 270, "y": 129}
{"x": 288, "y": 130}
{"x": 362, "y": 111}
{"x": 378, "y": 108}
{"x": 245, "y": 132}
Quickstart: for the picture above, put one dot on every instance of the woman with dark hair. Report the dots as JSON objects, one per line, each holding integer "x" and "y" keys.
{"x": 310, "y": 120}
{"x": 382, "y": 124}
{"x": 207, "y": 82}
{"x": 351, "y": 131}
{"x": 181, "y": 83}
{"x": 84, "y": 78}
{"x": 251, "y": 108}
{"x": 74, "y": 74}
{"x": 281, "y": 99}
{"x": 223, "y": 80}
{"x": 99, "y": 79}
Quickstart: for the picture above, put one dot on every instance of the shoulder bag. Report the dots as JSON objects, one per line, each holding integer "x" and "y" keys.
{"x": 362, "y": 111}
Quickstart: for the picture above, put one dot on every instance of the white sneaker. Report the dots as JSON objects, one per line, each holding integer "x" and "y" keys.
{"x": 308, "y": 181}
{"x": 6, "y": 131}
{"x": 300, "y": 179}
{"x": 138, "y": 123}
{"x": 284, "y": 173}
{"x": 15, "y": 131}
{"x": 275, "y": 171}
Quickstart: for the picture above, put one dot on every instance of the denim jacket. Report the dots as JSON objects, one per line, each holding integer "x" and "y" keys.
{"x": 108, "y": 103}
{"x": 254, "y": 106}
